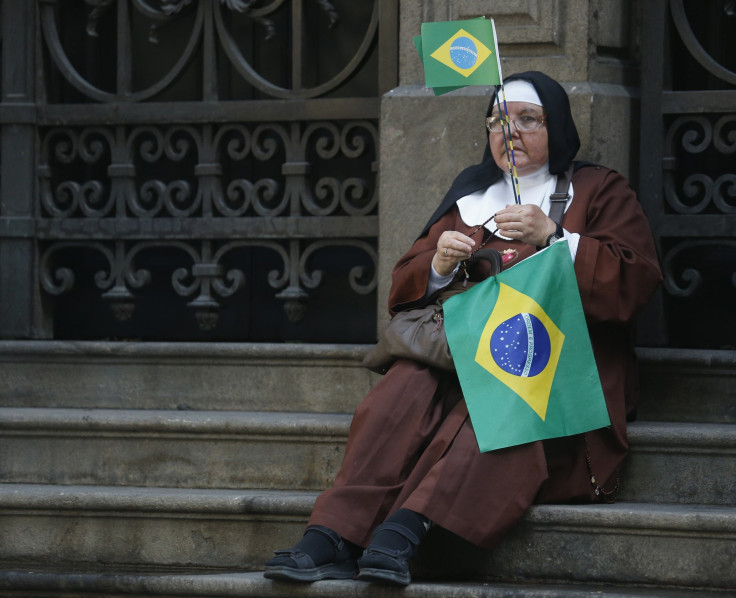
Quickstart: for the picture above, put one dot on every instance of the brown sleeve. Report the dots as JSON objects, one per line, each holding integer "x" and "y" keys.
{"x": 411, "y": 273}
{"x": 616, "y": 262}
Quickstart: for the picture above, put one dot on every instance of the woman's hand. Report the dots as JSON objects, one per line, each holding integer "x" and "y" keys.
{"x": 452, "y": 247}
{"x": 526, "y": 223}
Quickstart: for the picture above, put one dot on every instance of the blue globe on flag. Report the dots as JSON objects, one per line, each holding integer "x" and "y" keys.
{"x": 521, "y": 345}
{"x": 463, "y": 52}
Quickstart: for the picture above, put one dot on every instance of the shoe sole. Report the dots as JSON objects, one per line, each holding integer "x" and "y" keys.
{"x": 384, "y": 576}
{"x": 332, "y": 571}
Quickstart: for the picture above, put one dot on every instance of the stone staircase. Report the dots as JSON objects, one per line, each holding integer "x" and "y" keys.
{"x": 132, "y": 469}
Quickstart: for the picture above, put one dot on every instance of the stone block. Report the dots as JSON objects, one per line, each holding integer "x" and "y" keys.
{"x": 607, "y": 120}
{"x": 534, "y": 34}
{"x": 426, "y": 142}
{"x": 680, "y": 463}
{"x": 209, "y": 376}
{"x": 150, "y": 582}
{"x": 660, "y": 545}
{"x": 683, "y": 385}
{"x": 184, "y": 449}
{"x": 669, "y": 462}
{"x": 95, "y": 527}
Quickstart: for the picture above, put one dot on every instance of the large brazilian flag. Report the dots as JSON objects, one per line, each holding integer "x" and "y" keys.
{"x": 523, "y": 355}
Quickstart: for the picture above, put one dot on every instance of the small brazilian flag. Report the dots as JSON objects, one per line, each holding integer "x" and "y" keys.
{"x": 523, "y": 355}
{"x": 458, "y": 53}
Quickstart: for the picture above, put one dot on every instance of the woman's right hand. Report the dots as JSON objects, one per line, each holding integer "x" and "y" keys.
{"x": 452, "y": 247}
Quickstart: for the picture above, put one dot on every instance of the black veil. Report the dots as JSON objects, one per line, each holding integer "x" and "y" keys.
{"x": 563, "y": 143}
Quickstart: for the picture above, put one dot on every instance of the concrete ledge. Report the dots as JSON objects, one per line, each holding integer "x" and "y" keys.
{"x": 680, "y": 463}
{"x": 319, "y": 378}
{"x": 254, "y": 585}
{"x": 113, "y": 499}
{"x": 638, "y": 518}
{"x": 661, "y": 545}
{"x": 209, "y": 376}
{"x": 98, "y": 527}
{"x": 682, "y": 436}
{"x": 669, "y": 462}
{"x": 687, "y": 385}
{"x": 692, "y": 357}
{"x": 333, "y": 354}
{"x": 670, "y": 545}
{"x": 185, "y": 449}
{"x": 238, "y": 423}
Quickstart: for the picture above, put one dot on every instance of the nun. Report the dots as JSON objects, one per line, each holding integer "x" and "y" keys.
{"x": 412, "y": 460}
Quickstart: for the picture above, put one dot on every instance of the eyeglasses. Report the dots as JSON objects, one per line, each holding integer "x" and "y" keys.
{"x": 525, "y": 123}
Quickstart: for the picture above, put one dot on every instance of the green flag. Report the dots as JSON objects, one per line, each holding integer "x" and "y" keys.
{"x": 523, "y": 355}
{"x": 459, "y": 53}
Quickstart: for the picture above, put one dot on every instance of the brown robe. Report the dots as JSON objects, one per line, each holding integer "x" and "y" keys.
{"x": 411, "y": 443}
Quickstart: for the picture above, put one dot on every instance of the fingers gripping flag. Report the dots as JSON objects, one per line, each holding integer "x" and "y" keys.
{"x": 523, "y": 356}
{"x": 459, "y": 53}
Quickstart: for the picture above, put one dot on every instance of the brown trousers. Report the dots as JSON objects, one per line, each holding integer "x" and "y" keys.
{"x": 411, "y": 445}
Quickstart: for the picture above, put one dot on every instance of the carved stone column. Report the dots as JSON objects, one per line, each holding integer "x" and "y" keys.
{"x": 19, "y": 290}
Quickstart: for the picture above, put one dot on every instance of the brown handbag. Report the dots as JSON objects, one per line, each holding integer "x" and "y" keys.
{"x": 419, "y": 333}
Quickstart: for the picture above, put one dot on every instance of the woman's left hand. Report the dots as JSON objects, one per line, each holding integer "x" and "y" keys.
{"x": 525, "y": 223}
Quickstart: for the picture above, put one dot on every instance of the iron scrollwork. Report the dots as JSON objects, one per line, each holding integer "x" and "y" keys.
{"x": 117, "y": 281}
{"x": 684, "y": 282}
{"x": 209, "y": 28}
{"x": 123, "y": 195}
{"x": 206, "y": 278}
{"x": 698, "y": 135}
{"x": 206, "y": 190}
{"x": 694, "y": 46}
{"x": 128, "y": 165}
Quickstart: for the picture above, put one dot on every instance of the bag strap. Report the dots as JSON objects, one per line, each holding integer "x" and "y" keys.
{"x": 558, "y": 199}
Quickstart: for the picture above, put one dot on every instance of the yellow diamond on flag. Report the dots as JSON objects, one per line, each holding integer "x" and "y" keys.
{"x": 520, "y": 346}
{"x": 463, "y": 53}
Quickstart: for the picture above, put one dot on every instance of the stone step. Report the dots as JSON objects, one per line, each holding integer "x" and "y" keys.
{"x": 169, "y": 376}
{"x": 677, "y": 384}
{"x": 212, "y": 584}
{"x": 624, "y": 543}
{"x": 669, "y": 462}
{"x": 188, "y": 449}
{"x": 680, "y": 463}
{"x": 687, "y": 385}
{"x": 98, "y": 526}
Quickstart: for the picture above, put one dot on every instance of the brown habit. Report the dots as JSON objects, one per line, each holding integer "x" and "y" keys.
{"x": 411, "y": 443}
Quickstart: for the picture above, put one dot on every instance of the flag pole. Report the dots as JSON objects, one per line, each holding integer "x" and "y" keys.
{"x": 508, "y": 142}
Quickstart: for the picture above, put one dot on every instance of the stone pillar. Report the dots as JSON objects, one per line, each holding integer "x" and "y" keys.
{"x": 589, "y": 46}
{"x": 20, "y": 309}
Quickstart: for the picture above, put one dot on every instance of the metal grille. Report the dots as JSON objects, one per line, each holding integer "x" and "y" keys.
{"x": 688, "y": 182}
{"x": 208, "y": 169}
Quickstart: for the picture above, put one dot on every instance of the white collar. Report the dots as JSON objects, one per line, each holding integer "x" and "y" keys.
{"x": 536, "y": 178}
{"x": 534, "y": 188}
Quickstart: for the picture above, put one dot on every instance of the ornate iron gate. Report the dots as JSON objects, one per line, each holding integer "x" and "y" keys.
{"x": 204, "y": 169}
{"x": 688, "y": 170}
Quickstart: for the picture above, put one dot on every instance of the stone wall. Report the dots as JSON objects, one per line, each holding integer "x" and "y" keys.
{"x": 590, "y": 46}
